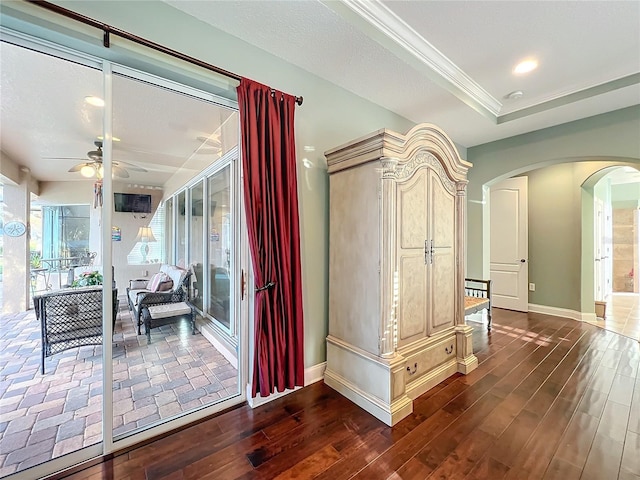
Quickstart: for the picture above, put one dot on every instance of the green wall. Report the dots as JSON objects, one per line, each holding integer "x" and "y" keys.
{"x": 557, "y": 202}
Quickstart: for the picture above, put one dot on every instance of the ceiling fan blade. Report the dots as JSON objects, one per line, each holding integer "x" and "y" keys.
{"x": 120, "y": 172}
{"x": 131, "y": 166}
{"x": 77, "y": 168}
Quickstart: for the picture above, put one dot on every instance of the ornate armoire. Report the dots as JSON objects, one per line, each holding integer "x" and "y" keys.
{"x": 396, "y": 260}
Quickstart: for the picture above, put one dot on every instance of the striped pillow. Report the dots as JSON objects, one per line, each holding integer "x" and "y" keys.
{"x": 156, "y": 280}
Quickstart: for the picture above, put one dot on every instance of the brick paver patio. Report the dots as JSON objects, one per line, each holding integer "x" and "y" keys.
{"x": 45, "y": 416}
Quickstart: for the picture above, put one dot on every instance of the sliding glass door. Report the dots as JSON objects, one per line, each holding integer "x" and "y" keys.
{"x": 51, "y": 380}
{"x": 172, "y": 152}
{"x": 171, "y": 363}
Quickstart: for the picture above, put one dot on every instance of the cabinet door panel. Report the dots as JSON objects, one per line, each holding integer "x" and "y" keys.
{"x": 412, "y": 207}
{"x": 412, "y": 274}
{"x": 411, "y": 302}
{"x": 442, "y": 224}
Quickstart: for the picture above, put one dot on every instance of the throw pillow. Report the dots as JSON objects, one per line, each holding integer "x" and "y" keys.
{"x": 154, "y": 283}
{"x": 166, "y": 284}
{"x": 160, "y": 282}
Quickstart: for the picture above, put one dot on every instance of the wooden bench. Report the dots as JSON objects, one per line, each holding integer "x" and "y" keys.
{"x": 477, "y": 296}
{"x": 164, "y": 314}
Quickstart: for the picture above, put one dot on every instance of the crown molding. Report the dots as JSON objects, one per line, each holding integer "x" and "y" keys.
{"x": 396, "y": 35}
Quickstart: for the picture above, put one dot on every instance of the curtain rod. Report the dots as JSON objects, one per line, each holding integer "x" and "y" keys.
{"x": 108, "y": 30}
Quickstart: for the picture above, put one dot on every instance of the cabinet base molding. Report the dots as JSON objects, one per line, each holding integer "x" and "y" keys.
{"x": 389, "y": 414}
{"x": 467, "y": 365}
{"x": 428, "y": 381}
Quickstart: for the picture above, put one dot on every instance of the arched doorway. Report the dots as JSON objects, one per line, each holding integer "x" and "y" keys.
{"x": 616, "y": 238}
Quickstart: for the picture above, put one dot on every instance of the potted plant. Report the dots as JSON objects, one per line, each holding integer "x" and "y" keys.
{"x": 87, "y": 279}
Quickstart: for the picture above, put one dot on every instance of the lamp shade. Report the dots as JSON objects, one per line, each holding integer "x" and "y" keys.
{"x": 145, "y": 235}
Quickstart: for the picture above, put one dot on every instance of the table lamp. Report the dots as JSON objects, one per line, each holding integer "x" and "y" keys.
{"x": 145, "y": 235}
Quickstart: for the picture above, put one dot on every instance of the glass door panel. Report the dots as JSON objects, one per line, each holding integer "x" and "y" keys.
{"x": 168, "y": 232}
{"x": 181, "y": 231}
{"x": 165, "y": 365}
{"x": 220, "y": 243}
{"x": 51, "y": 404}
{"x": 195, "y": 244}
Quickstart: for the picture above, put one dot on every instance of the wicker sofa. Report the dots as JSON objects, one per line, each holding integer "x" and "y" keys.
{"x": 140, "y": 296}
{"x": 71, "y": 318}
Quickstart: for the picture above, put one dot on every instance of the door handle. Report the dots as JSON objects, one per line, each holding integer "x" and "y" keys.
{"x": 522, "y": 260}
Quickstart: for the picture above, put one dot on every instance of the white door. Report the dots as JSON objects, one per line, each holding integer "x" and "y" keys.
{"x": 607, "y": 262}
{"x": 509, "y": 266}
{"x": 599, "y": 267}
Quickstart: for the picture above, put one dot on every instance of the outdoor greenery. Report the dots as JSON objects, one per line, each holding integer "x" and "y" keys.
{"x": 88, "y": 278}
{"x": 36, "y": 259}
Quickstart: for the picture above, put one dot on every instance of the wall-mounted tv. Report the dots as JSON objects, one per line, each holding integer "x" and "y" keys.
{"x": 132, "y": 202}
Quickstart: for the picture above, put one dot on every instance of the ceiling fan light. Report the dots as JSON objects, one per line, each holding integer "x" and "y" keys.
{"x": 100, "y": 170}
{"x": 87, "y": 171}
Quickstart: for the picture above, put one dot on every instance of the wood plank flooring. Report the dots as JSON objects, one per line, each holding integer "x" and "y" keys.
{"x": 552, "y": 399}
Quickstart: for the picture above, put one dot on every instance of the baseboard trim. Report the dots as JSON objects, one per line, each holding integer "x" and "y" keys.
{"x": 563, "y": 312}
{"x": 312, "y": 374}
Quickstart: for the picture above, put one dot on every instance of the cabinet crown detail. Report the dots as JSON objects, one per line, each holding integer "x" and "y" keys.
{"x": 406, "y": 170}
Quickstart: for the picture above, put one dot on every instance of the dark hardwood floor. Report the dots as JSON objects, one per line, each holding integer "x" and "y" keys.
{"x": 551, "y": 399}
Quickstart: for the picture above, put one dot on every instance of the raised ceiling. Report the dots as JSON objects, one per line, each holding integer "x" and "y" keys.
{"x": 450, "y": 62}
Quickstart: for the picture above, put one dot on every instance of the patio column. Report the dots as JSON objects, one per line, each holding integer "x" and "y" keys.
{"x": 16, "y": 256}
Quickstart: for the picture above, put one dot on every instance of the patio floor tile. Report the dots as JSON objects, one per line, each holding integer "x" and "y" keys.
{"x": 45, "y": 416}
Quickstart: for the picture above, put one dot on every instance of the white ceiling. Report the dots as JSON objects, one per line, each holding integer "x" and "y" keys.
{"x": 443, "y": 62}
{"x": 450, "y": 62}
{"x": 49, "y": 128}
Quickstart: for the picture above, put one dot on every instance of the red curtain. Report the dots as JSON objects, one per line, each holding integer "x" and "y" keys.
{"x": 271, "y": 204}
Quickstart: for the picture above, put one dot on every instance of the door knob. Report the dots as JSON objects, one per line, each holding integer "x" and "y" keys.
{"x": 522, "y": 260}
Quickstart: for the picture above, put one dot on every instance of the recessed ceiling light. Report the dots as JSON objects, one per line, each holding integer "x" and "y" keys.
{"x": 95, "y": 101}
{"x": 514, "y": 95}
{"x": 525, "y": 67}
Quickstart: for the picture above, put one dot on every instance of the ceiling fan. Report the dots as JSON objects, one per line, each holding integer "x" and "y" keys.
{"x": 94, "y": 167}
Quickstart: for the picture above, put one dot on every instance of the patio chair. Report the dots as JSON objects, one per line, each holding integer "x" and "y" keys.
{"x": 71, "y": 318}
{"x": 144, "y": 292}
